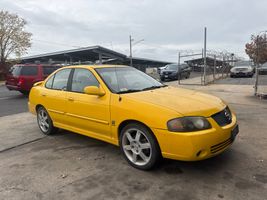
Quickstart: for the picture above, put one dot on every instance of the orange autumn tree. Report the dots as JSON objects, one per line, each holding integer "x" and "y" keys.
{"x": 14, "y": 40}
{"x": 256, "y": 49}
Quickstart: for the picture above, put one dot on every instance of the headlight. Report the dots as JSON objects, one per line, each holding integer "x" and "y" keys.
{"x": 188, "y": 124}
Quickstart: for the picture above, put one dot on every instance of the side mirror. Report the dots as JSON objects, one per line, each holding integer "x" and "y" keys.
{"x": 93, "y": 90}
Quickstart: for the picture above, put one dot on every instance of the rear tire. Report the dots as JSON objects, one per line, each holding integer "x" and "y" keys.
{"x": 26, "y": 93}
{"x": 187, "y": 76}
{"x": 139, "y": 146}
{"x": 44, "y": 122}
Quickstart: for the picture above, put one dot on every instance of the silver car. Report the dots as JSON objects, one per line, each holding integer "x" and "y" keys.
{"x": 242, "y": 71}
{"x": 263, "y": 70}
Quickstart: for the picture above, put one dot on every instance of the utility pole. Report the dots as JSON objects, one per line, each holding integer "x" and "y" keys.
{"x": 131, "y": 55}
{"x": 179, "y": 76}
{"x": 205, "y": 54}
{"x": 131, "y": 48}
{"x": 214, "y": 68}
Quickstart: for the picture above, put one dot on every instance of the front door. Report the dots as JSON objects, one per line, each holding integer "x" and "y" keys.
{"x": 88, "y": 113}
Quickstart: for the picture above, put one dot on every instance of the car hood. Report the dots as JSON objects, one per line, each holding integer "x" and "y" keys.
{"x": 185, "y": 102}
{"x": 241, "y": 69}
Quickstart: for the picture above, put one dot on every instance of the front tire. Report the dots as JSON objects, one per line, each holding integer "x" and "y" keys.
{"x": 139, "y": 146}
{"x": 44, "y": 122}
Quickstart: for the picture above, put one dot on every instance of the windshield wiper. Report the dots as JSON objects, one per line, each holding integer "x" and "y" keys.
{"x": 128, "y": 91}
{"x": 154, "y": 87}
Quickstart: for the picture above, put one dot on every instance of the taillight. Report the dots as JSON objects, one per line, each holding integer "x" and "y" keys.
{"x": 21, "y": 81}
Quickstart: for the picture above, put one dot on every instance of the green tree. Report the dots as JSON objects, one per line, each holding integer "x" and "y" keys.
{"x": 256, "y": 49}
{"x": 14, "y": 40}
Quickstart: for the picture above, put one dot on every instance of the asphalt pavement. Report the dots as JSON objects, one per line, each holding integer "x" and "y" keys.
{"x": 72, "y": 166}
{"x": 12, "y": 102}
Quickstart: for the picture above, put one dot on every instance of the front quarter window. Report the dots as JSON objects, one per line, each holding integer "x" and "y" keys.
{"x": 49, "y": 82}
{"x": 81, "y": 79}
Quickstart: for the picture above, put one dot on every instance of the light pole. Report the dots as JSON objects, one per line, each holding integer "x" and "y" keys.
{"x": 205, "y": 54}
{"x": 131, "y": 48}
{"x": 131, "y": 55}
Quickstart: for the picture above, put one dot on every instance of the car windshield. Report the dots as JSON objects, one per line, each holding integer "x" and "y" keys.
{"x": 127, "y": 79}
{"x": 171, "y": 67}
{"x": 47, "y": 70}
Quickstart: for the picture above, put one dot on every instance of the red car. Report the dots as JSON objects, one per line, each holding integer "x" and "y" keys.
{"x": 21, "y": 77}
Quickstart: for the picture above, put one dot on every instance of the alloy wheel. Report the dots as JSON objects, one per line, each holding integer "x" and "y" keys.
{"x": 43, "y": 120}
{"x": 136, "y": 147}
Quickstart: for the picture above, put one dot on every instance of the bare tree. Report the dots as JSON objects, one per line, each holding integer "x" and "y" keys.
{"x": 14, "y": 40}
{"x": 257, "y": 48}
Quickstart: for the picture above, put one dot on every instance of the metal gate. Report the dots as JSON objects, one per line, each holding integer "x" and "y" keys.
{"x": 208, "y": 70}
{"x": 261, "y": 81}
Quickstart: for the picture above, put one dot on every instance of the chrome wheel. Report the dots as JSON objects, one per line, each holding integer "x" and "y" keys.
{"x": 136, "y": 147}
{"x": 43, "y": 120}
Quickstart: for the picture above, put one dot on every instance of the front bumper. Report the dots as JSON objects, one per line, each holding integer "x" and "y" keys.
{"x": 32, "y": 108}
{"x": 169, "y": 76}
{"x": 242, "y": 74}
{"x": 13, "y": 87}
{"x": 192, "y": 146}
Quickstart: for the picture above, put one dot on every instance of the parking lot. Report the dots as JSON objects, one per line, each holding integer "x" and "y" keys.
{"x": 72, "y": 166}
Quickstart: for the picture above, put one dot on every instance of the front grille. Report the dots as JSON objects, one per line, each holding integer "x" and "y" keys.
{"x": 221, "y": 146}
{"x": 166, "y": 73}
{"x": 224, "y": 117}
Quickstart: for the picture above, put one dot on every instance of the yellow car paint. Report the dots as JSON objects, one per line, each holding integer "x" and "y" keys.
{"x": 100, "y": 117}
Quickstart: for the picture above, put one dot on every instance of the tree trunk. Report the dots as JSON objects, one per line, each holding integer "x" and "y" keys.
{"x": 2, "y": 69}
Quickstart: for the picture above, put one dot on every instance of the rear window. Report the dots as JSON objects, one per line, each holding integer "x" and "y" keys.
{"x": 23, "y": 71}
{"x": 47, "y": 70}
{"x": 15, "y": 70}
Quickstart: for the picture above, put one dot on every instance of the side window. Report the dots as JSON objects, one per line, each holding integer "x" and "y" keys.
{"x": 81, "y": 79}
{"x": 47, "y": 70}
{"x": 29, "y": 71}
{"x": 61, "y": 79}
{"x": 49, "y": 82}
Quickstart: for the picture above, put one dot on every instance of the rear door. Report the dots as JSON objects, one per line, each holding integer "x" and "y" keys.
{"x": 53, "y": 95}
{"x": 29, "y": 75}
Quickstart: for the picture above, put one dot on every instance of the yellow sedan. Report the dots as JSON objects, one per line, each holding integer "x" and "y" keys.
{"x": 125, "y": 107}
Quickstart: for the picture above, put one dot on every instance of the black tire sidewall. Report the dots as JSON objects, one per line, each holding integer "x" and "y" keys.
{"x": 156, "y": 155}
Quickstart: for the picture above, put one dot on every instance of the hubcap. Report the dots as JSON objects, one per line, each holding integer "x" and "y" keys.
{"x": 136, "y": 147}
{"x": 43, "y": 120}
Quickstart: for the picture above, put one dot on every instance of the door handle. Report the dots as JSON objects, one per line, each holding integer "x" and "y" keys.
{"x": 44, "y": 95}
{"x": 71, "y": 99}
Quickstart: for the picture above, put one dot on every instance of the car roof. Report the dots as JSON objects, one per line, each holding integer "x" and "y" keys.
{"x": 94, "y": 66}
{"x": 34, "y": 64}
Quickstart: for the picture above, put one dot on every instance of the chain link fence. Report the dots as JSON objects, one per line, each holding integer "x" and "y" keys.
{"x": 261, "y": 81}
{"x": 217, "y": 67}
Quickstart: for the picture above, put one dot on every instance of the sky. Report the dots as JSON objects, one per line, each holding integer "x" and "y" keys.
{"x": 164, "y": 27}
